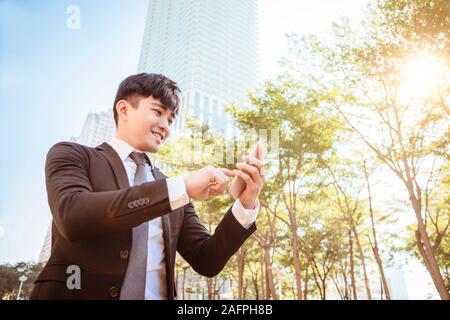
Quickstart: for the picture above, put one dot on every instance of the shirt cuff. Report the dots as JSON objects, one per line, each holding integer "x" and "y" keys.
{"x": 246, "y": 217}
{"x": 178, "y": 196}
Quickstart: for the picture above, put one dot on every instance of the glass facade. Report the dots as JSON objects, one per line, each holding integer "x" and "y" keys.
{"x": 208, "y": 47}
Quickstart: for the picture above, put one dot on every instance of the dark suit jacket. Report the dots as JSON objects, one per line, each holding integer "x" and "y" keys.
{"x": 94, "y": 210}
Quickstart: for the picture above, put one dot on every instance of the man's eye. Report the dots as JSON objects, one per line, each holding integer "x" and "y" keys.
{"x": 158, "y": 112}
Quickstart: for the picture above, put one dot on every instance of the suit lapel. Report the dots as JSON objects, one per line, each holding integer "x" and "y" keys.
{"x": 122, "y": 181}
{"x": 165, "y": 219}
{"x": 116, "y": 164}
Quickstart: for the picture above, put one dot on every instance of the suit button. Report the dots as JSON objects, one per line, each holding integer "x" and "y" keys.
{"x": 124, "y": 254}
{"x": 130, "y": 205}
{"x": 113, "y": 292}
{"x": 147, "y": 200}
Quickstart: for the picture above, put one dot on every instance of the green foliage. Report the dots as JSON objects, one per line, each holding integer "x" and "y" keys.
{"x": 9, "y": 279}
{"x": 336, "y": 105}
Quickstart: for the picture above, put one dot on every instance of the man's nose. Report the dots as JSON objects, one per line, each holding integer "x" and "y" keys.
{"x": 164, "y": 124}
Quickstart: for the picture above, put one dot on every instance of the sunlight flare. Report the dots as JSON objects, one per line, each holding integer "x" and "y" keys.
{"x": 421, "y": 77}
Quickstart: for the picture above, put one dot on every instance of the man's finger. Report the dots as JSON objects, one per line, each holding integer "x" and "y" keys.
{"x": 253, "y": 161}
{"x": 219, "y": 188}
{"x": 218, "y": 177}
{"x": 223, "y": 175}
{"x": 212, "y": 192}
{"x": 250, "y": 170}
{"x": 244, "y": 176}
{"x": 227, "y": 172}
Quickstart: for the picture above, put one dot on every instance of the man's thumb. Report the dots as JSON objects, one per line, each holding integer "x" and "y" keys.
{"x": 227, "y": 172}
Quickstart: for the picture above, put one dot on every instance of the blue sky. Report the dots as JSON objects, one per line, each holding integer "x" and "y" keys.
{"x": 51, "y": 77}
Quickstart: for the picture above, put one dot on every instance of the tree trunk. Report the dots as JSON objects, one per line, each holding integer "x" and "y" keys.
{"x": 241, "y": 261}
{"x": 210, "y": 288}
{"x": 184, "y": 284}
{"x": 387, "y": 292}
{"x": 269, "y": 273}
{"x": 363, "y": 261}
{"x": 263, "y": 286}
{"x": 375, "y": 241}
{"x": 345, "y": 279}
{"x": 342, "y": 291}
{"x": 245, "y": 289}
{"x": 316, "y": 280}
{"x": 425, "y": 249}
{"x": 324, "y": 287}
{"x": 352, "y": 265}
{"x": 214, "y": 290}
{"x": 256, "y": 286}
{"x": 266, "y": 282}
{"x": 305, "y": 281}
{"x": 295, "y": 253}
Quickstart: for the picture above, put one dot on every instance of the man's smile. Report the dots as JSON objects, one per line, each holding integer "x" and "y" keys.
{"x": 158, "y": 135}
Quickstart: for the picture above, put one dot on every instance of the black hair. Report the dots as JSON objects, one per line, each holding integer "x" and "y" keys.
{"x": 144, "y": 85}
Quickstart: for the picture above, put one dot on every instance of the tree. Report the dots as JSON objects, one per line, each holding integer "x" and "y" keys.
{"x": 267, "y": 233}
{"x": 437, "y": 223}
{"x": 323, "y": 242}
{"x": 350, "y": 208}
{"x": 379, "y": 81}
{"x": 306, "y": 134}
{"x": 373, "y": 241}
{"x": 9, "y": 279}
{"x": 196, "y": 152}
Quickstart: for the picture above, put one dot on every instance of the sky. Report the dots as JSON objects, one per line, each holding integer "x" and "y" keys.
{"x": 52, "y": 76}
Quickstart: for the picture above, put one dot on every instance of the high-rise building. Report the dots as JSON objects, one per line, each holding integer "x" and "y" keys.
{"x": 397, "y": 285}
{"x": 47, "y": 246}
{"x": 210, "y": 48}
{"x": 97, "y": 128}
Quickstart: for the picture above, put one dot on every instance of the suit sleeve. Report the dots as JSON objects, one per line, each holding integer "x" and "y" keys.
{"x": 79, "y": 212}
{"x": 208, "y": 254}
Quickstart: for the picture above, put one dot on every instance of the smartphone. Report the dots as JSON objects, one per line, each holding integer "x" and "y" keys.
{"x": 238, "y": 185}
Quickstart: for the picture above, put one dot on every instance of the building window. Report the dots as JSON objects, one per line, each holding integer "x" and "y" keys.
{"x": 197, "y": 104}
{"x": 206, "y": 110}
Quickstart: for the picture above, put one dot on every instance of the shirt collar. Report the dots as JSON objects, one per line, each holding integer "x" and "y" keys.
{"x": 123, "y": 149}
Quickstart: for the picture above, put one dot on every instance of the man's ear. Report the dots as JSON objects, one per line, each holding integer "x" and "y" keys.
{"x": 122, "y": 110}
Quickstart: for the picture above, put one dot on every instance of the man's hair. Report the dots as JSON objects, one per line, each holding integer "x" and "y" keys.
{"x": 144, "y": 85}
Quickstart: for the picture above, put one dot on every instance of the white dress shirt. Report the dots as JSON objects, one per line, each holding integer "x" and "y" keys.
{"x": 155, "y": 282}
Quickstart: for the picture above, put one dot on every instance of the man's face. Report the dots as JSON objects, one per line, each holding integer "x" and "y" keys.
{"x": 148, "y": 125}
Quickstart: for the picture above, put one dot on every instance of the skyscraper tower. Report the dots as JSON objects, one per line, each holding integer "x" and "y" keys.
{"x": 209, "y": 48}
{"x": 46, "y": 249}
{"x": 97, "y": 128}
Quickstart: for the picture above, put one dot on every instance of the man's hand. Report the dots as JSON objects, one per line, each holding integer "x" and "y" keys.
{"x": 252, "y": 172}
{"x": 207, "y": 181}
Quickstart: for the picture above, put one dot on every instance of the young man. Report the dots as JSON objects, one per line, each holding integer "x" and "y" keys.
{"x": 118, "y": 221}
